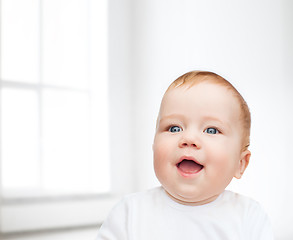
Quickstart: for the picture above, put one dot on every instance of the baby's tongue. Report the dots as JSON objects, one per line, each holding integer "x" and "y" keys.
{"x": 189, "y": 166}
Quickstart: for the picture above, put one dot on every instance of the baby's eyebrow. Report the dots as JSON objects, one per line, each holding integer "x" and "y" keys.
{"x": 223, "y": 124}
{"x": 171, "y": 116}
{"x": 208, "y": 118}
{"x": 213, "y": 119}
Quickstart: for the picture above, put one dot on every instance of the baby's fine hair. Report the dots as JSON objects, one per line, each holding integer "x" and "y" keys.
{"x": 195, "y": 77}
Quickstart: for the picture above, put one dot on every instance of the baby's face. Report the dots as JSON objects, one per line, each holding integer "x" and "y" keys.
{"x": 197, "y": 146}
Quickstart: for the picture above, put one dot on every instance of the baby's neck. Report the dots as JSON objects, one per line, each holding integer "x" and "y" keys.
{"x": 196, "y": 203}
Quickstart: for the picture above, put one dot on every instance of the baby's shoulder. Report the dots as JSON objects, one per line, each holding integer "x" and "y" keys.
{"x": 237, "y": 197}
{"x": 241, "y": 202}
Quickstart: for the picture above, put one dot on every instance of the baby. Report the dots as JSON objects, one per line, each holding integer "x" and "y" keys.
{"x": 201, "y": 143}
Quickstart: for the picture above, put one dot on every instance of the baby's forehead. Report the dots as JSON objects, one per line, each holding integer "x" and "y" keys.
{"x": 206, "y": 95}
{"x": 202, "y": 99}
{"x": 207, "y": 89}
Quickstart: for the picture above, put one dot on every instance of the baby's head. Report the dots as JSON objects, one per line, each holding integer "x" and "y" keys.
{"x": 202, "y": 137}
{"x": 195, "y": 77}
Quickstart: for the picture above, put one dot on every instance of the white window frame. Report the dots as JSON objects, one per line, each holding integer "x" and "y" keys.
{"x": 23, "y": 214}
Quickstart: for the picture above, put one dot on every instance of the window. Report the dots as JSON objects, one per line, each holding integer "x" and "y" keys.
{"x": 54, "y": 126}
{"x": 53, "y": 114}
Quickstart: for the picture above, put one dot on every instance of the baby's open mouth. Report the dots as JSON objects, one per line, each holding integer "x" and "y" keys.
{"x": 189, "y": 166}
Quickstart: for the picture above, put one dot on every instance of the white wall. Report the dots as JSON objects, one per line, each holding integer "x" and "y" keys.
{"x": 120, "y": 93}
{"x": 249, "y": 42}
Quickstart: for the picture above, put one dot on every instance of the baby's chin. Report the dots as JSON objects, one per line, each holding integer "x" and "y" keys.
{"x": 190, "y": 199}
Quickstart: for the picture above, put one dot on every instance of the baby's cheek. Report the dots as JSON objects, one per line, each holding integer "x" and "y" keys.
{"x": 219, "y": 161}
{"x": 161, "y": 160}
{"x": 158, "y": 158}
{"x": 160, "y": 152}
{"x": 160, "y": 163}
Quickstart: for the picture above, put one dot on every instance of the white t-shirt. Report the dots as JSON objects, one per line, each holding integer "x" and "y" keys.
{"x": 153, "y": 215}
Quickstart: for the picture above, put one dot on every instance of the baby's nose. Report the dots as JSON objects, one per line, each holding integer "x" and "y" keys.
{"x": 189, "y": 141}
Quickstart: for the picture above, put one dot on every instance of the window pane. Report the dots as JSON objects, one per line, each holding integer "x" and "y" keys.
{"x": 20, "y": 167}
{"x": 65, "y": 45}
{"x": 66, "y": 141}
{"x": 100, "y": 163}
{"x": 99, "y": 95}
{"x": 100, "y": 159}
{"x": 57, "y": 141}
{"x": 20, "y": 40}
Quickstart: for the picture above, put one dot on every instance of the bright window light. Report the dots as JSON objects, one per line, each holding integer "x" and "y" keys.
{"x": 54, "y": 97}
{"x": 19, "y": 132}
{"x": 66, "y": 42}
{"x": 20, "y": 40}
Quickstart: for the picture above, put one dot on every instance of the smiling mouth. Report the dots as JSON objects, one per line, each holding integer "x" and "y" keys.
{"x": 187, "y": 167}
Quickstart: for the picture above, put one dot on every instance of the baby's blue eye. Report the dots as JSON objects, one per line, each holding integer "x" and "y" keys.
{"x": 211, "y": 130}
{"x": 175, "y": 129}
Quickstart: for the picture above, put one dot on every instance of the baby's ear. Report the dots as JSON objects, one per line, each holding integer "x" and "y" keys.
{"x": 243, "y": 163}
